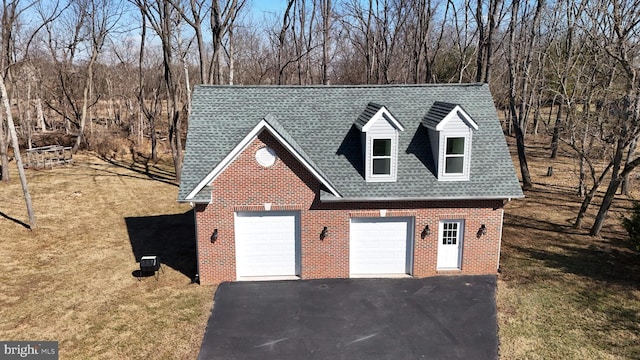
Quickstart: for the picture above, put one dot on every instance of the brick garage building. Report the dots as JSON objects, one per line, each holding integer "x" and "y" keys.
{"x": 346, "y": 181}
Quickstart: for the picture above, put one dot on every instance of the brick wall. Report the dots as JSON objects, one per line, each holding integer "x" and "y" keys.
{"x": 287, "y": 185}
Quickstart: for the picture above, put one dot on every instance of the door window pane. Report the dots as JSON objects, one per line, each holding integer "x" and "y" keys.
{"x": 449, "y": 233}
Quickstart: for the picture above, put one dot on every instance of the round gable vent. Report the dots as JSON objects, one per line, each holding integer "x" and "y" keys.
{"x": 266, "y": 156}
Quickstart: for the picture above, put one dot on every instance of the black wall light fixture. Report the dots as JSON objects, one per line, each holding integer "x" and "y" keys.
{"x": 482, "y": 230}
{"x": 214, "y": 236}
{"x": 324, "y": 233}
{"x": 425, "y": 232}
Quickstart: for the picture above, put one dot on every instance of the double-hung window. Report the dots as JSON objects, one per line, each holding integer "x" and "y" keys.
{"x": 381, "y": 157}
{"x": 454, "y": 156}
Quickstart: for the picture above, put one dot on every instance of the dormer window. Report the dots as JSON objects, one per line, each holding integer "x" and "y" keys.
{"x": 450, "y": 131}
{"x": 381, "y": 157}
{"x": 379, "y": 143}
{"x": 454, "y": 156}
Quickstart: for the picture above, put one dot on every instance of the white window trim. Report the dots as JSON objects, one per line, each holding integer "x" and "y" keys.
{"x": 378, "y": 157}
{"x": 466, "y": 165}
{"x": 393, "y": 174}
{"x": 447, "y": 156}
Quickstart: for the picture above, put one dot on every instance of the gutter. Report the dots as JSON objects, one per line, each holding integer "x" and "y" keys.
{"x": 332, "y": 199}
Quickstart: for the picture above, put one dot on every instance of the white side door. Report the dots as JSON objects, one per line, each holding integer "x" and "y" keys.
{"x": 450, "y": 237}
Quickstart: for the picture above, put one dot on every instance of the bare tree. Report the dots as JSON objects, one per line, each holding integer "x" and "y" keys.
{"x": 160, "y": 15}
{"x": 486, "y": 32}
{"x": 326, "y": 11}
{"x": 4, "y": 156}
{"x": 615, "y": 25}
{"x": 10, "y": 12}
{"x": 194, "y": 16}
{"x": 422, "y": 15}
{"x": 519, "y": 60}
{"x": 221, "y": 19}
{"x": 101, "y": 17}
{"x": 16, "y": 154}
{"x": 76, "y": 39}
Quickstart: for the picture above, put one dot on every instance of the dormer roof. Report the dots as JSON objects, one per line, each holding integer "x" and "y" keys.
{"x": 374, "y": 112}
{"x": 441, "y": 112}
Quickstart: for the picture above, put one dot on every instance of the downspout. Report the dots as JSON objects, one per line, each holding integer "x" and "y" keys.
{"x": 196, "y": 278}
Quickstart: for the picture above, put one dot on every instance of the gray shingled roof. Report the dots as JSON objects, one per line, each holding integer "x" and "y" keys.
{"x": 275, "y": 124}
{"x": 319, "y": 122}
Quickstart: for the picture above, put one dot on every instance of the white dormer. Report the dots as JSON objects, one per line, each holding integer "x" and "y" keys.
{"x": 450, "y": 131}
{"x": 379, "y": 130}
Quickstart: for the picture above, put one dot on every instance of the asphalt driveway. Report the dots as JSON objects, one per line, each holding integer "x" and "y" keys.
{"x": 447, "y": 317}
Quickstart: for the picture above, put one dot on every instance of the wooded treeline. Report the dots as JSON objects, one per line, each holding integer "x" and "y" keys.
{"x": 102, "y": 69}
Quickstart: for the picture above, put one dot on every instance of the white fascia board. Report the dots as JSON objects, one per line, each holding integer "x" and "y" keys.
{"x": 194, "y": 202}
{"x": 379, "y": 115}
{"x": 243, "y": 145}
{"x": 465, "y": 117}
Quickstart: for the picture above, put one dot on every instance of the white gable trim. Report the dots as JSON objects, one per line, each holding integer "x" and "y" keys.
{"x": 262, "y": 125}
{"x": 383, "y": 113}
{"x": 454, "y": 113}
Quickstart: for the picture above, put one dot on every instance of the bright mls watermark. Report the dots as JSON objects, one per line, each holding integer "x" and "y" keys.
{"x": 32, "y": 350}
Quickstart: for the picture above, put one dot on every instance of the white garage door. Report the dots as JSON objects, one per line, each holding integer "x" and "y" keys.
{"x": 267, "y": 243}
{"x": 380, "y": 246}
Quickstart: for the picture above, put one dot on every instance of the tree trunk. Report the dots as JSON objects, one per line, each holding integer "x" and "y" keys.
{"x": 585, "y": 206}
{"x": 480, "y": 52}
{"x": 231, "y": 55}
{"x": 616, "y": 179}
{"x": 556, "y": 131}
{"x": 493, "y": 11}
{"x": 581, "y": 178}
{"x": 86, "y": 93}
{"x": 326, "y": 13}
{"x": 4, "y": 155}
{"x": 589, "y": 197}
{"x": 626, "y": 180}
{"x": 16, "y": 154}
{"x": 527, "y": 184}
{"x": 606, "y": 205}
{"x": 517, "y": 104}
{"x": 29, "y": 122}
{"x": 40, "y": 115}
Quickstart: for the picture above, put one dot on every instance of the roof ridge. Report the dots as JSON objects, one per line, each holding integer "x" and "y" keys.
{"x": 345, "y": 86}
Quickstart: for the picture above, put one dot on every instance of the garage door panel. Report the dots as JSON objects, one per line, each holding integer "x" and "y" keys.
{"x": 267, "y": 244}
{"x": 380, "y": 246}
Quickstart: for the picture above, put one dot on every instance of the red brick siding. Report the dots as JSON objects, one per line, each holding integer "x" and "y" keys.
{"x": 246, "y": 186}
